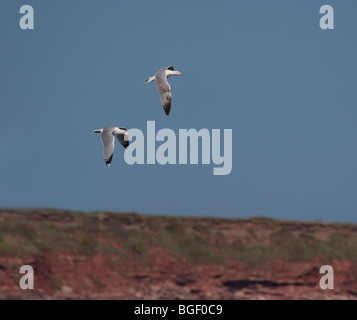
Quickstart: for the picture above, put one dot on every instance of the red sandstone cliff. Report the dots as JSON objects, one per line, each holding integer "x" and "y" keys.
{"x": 128, "y": 256}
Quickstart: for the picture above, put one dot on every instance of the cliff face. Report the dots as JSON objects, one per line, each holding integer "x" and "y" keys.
{"x": 103, "y": 255}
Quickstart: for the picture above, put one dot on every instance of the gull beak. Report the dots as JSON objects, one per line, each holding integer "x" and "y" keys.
{"x": 180, "y": 73}
{"x": 127, "y": 134}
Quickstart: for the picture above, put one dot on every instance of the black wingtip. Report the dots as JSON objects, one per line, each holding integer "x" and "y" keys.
{"x": 167, "y": 109}
{"x": 108, "y": 161}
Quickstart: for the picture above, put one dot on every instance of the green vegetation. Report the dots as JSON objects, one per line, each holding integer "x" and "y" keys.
{"x": 56, "y": 283}
{"x": 96, "y": 282}
{"x": 201, "y": 240}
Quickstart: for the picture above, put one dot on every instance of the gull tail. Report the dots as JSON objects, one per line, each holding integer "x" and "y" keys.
{"x": 98, "y": 131}
{"x": 149, "y": 79}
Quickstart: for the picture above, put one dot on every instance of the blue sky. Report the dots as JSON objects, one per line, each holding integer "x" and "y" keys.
{"x": 264, "y": 69}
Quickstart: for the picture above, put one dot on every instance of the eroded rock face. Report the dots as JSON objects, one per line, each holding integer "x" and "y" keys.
{"x": 81, "y": 256}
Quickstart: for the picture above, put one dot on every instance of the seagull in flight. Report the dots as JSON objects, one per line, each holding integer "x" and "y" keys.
{"x": 107, "y": 136}
{"x": 163, "y": 86}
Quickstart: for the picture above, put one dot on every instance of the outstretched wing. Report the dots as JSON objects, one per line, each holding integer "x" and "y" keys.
{"x": 122, "y": 140}
{"x": 165, "y": 91}
{"x": 170, "y": 68}
{"x": 165, "y": 97}
{"x": 108, "y": 143}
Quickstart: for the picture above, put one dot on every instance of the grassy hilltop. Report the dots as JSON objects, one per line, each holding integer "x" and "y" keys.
{"x": 194, "y": 239}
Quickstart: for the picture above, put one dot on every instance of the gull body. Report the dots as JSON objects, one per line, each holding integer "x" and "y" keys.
{"x": 163, "y": 86}
{"x": 107, "y": 135}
